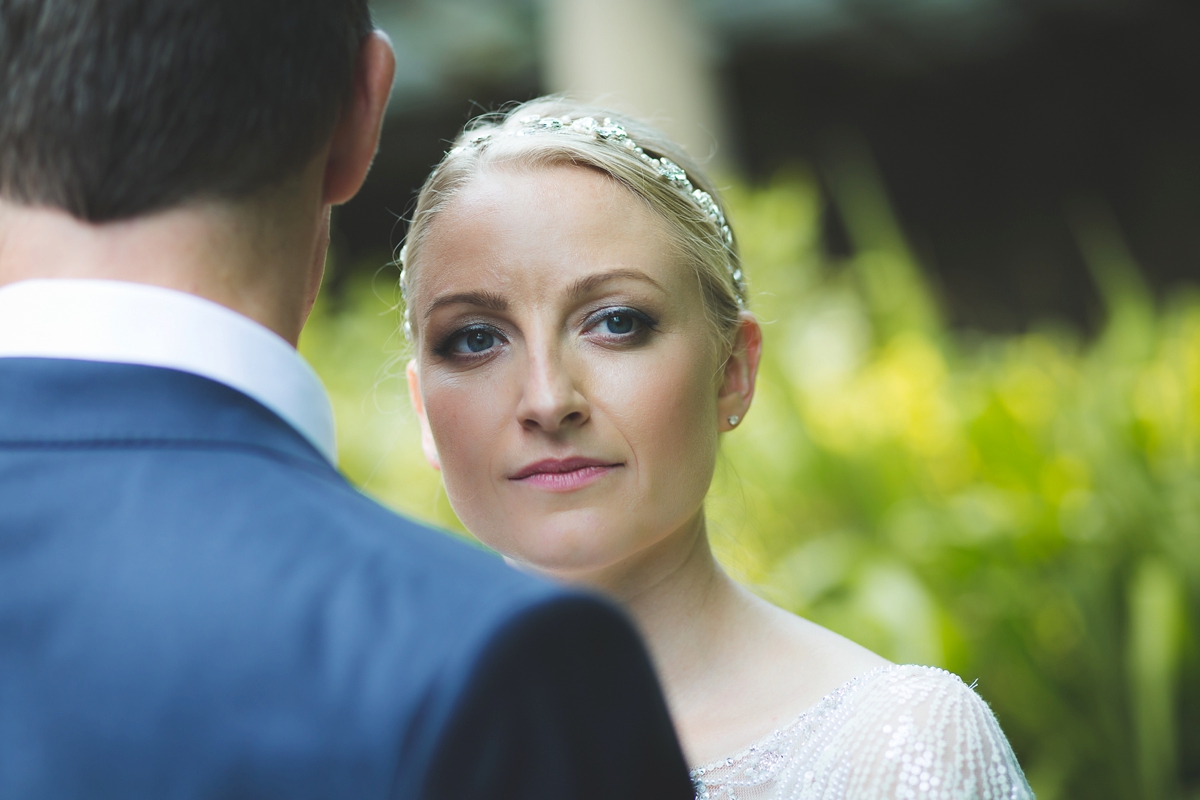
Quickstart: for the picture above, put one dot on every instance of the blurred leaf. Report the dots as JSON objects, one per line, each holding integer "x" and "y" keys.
{"x": 1155, "y": 624}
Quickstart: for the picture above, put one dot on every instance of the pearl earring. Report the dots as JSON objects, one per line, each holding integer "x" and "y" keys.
{"x": 733, "y": 420}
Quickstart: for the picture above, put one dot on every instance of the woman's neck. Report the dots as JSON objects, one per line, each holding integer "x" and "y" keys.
{"x": 686, "y": 608}
{"x": 732, "y": 666}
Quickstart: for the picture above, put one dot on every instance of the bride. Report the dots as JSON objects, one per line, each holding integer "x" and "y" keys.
{"x": 582, "y": 340}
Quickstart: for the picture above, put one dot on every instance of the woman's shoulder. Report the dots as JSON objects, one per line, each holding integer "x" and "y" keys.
{"x": 909, "y": 685}
{"x": 925, "y": 700}
{"x": 925, "y": 727}
{"x": 894, "y": 728}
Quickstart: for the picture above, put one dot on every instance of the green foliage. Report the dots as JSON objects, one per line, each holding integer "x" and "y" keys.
{"x": 356, "y": 345}
{"x": 1022, "y": 510}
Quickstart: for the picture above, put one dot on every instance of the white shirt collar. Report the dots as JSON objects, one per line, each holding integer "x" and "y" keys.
{"x": 132, "y": 323}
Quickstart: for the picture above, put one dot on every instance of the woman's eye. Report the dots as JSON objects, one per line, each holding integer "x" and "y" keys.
{"x": 478, "y": 341}
{"x": 619, "y": 324}
{"x": 472, "y": 341}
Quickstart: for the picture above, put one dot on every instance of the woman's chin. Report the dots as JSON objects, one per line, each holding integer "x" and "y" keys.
{"x": 566, "y": 556}
{"x": 551, "y": 573}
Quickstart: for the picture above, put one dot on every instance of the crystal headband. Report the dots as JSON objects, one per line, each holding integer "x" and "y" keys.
{"x": 609, "y": 131}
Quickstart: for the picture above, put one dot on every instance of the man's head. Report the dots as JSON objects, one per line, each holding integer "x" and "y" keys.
{"x": 196, "y": 145}
{"x": 112, "y": 109}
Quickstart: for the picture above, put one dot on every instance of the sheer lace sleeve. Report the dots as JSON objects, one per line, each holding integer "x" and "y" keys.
{"x": 897, "y": 733}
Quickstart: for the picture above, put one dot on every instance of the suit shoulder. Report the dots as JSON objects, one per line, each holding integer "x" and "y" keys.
{"x": 571, "y": 676}
{"x": 319, "y": 516}
{"x": 342, "y": 519}
{"x": 249, "y": 525}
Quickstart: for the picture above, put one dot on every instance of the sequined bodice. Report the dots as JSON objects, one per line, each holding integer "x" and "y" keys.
{"x": 897, "y": 732}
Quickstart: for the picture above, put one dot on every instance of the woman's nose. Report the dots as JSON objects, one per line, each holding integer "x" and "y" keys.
{"x": 552, "y": 399}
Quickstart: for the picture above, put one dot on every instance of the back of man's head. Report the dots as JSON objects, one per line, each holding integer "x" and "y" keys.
{"x": 111, "y": 109}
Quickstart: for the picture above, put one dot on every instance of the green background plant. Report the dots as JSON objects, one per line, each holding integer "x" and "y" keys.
{"x": 1023, "y": 510}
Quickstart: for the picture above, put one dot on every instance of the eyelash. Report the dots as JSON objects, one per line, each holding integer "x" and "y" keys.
{"x": 644, "y": 322}
{"x": 445, "y": 349}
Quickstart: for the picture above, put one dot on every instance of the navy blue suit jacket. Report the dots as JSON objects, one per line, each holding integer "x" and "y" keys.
{"x": 194, "y": 604}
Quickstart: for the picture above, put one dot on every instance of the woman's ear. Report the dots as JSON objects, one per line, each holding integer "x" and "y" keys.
{"x": 418, "y": 402}
{"x": 356, "y": 135}
{"x": 740, "y": 373}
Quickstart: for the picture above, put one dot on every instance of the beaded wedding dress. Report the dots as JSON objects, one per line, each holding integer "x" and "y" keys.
{"x": 895, "y": 733}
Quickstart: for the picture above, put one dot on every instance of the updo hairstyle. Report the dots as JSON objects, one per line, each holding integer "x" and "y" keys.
{"x": 509, "y": 139}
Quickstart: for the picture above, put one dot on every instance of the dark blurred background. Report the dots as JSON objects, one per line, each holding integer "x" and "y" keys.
{"x": 989, "y": 120}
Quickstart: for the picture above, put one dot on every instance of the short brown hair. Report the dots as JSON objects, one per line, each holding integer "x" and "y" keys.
{"x": 111, "y": 109}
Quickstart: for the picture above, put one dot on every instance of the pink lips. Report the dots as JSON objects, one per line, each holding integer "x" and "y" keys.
{"x": 563, "y": 475}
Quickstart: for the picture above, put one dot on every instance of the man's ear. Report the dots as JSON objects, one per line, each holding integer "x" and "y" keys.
{"x": 356, "y": 136}
{"x": 740, "y": 373}
{"x": 418, "y": 402}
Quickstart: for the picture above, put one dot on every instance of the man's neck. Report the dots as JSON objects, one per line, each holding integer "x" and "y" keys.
{"x": 223, "y": 252}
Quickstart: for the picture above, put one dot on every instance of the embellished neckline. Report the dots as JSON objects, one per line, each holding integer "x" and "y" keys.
{"x": 827, "y": 702}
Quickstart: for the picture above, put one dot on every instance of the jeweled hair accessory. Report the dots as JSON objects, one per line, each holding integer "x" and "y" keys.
{"x": 609, "y": 131}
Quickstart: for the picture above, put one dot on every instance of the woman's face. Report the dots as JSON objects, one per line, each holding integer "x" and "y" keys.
{"x": 568, "y": 383}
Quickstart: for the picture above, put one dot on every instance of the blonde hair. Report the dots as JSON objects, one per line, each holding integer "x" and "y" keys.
{"x": 702, "y": 234}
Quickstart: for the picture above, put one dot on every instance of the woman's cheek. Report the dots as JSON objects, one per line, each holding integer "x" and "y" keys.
{"x": 461, "y": 430}
{"x": 667, "y": 408}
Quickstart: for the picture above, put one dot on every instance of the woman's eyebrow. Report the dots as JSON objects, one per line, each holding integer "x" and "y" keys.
{"x": 488, "y": 300}
{"x": 585, "y": 286}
